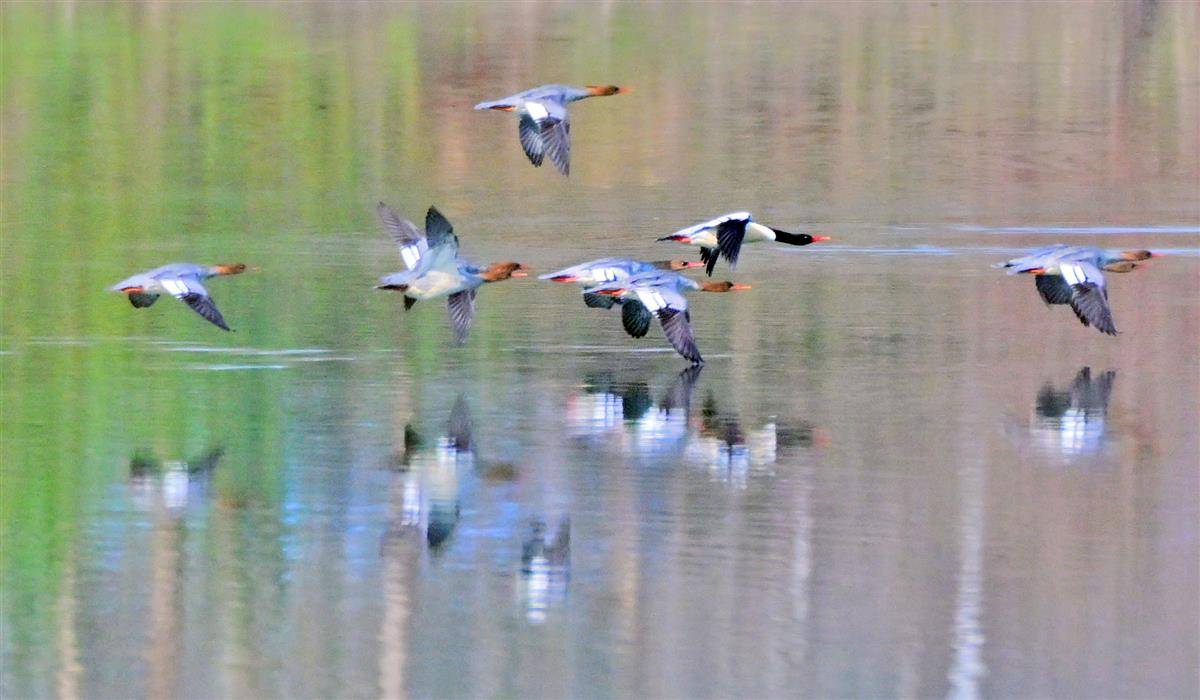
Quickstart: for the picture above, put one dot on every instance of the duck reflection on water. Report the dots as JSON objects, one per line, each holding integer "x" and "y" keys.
{"x": 1074, "y": 421}
{"x": 174, "y": 484}
{"x": 545, "y": 568}
{"x": 426, "y": 497}
{"x": 625, "y": 414}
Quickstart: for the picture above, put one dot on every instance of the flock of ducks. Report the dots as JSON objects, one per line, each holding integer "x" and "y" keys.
{"x": 1067, "y": 275}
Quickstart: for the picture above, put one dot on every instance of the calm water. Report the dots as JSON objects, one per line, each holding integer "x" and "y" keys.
{"x": 898, "y": 475}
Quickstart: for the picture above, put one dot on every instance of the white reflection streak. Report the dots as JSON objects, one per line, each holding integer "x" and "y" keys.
{"x": 968, "y": 667}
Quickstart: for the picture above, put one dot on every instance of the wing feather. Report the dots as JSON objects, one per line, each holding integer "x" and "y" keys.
{"x": 462, "y": 312}
{"x": 635, "y": 317}
{"x": 1053, "y": 289}
{"x": 677, "y": 327}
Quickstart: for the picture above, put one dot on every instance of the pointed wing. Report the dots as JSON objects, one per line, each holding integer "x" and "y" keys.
{"x": 1053, "y": 288}
{"x": 598, "y": 301}
{"x": 438, "y": 231}
{"x": 558, "y": 144}
{"x": 191, "y": 292}
{"x": 1089, "y": 298}
{"x": 413, "y": 244}
{"x": 462, "y": 312}
{"x": 709, "y": 257}
{"x": 545, "y": 131}
{"x": 141, "y": 299}
{"x": 635, "y": 317}
{"x": 730, "y": 234}
{"x": 677, "y": 327}
{"x": 531, "y": 140}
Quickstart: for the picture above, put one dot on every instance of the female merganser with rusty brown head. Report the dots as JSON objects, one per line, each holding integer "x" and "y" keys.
{"x": 182, "y": 281}
{"x": 545, "y": 129}
{"x": 661, "y": 294}
{"x": 435, "y": 268}
{"x": 723, "y": 237}
{"x": 1074, "y": 276}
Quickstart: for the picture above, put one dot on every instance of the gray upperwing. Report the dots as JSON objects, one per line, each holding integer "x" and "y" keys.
{"x": 413, "y": 243}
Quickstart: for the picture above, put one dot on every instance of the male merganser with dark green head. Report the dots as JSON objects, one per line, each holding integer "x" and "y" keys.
{"x": 545, "y": 128}
{"x": 724, "y": 236}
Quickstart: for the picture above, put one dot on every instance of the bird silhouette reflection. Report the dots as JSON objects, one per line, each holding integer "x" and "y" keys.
{"x": 625, "y": 414}
{"x": 174, "y": 484}
{"x": 1074, "y": 420}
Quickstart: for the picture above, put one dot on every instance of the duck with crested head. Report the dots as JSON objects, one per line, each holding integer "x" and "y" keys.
{"x": 661, "y": 293}
{"x": 436, "y": 270}
{"x": 545, "y": 127}
{"x": 1074, "y": 276}
{"x": 182, "y": 281}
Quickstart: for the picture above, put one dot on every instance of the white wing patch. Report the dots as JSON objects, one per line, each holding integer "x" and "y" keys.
{"x": 608, "y": 274}
{"x": 537, "y": 110}
{"x": 411, "y": 256}
{"x": 1073, "y": 274}
{"x": 652, "y": 299}
{"x": 175, "y": 287}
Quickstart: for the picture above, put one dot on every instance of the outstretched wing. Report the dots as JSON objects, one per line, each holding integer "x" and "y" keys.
{"x": 531, "y": 140}
{"x": 709, "y": 257}
{"x": 635, "y": 317}
{"x": 142, "y": 299}
{"x": 1089, "y": 298}
{"x": 1053, "y": 288}
{"x": 545, "y": 130}
{"x": 677, "y": 326}
{"x": 191, "y": 292}
{"x": 598, "y": 301}
{"x": 438, "y": 231}
{"x": 462, "y": 312}
{"x": 413, "y": 244}
{"x": 730, "y": 234}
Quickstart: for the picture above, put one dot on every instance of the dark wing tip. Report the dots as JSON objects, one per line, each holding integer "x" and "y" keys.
{"x": 204, "y": 306}
{"x": 678, "y": 329}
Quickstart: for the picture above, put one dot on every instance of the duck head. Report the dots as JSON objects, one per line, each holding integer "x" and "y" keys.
{"x": 1120, "y": 266}
{"x": 677, "y": 265}
{"x": 232, "y": 268}
{"x": 605, "y": 90}
{"x": 723, "y": 287}
{"x": 1138, "y": 255}
{"x": 498, "y": 272}
{"x": 797, "y": 238}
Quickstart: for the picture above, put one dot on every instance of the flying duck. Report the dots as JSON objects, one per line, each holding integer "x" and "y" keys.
{"x": 435, "y": 268}
{"x": 661, "y": 293}
{"x": 1074, "y": 276}
{"x": 545, "y": 127}
{"x": 604, "y": 270}
{"x": 724, "y": 236}
{"x": 182, "y": 281}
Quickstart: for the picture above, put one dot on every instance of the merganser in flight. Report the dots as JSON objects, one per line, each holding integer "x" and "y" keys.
{"x": 724, "y": 236}
{"x": 545, "y": 127}
{"x": 182, "y": 281}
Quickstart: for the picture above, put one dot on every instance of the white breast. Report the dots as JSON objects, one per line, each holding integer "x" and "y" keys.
{"x": 435, "y": 284}
{"x": 756, "y": 232}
